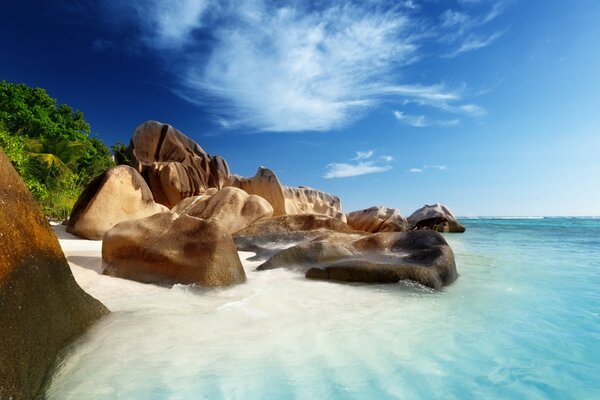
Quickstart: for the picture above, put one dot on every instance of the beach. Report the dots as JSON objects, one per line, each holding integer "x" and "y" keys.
{"x": 522, "y": 321}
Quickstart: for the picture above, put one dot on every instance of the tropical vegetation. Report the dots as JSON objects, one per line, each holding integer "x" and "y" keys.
{"x": 50, "y": 146}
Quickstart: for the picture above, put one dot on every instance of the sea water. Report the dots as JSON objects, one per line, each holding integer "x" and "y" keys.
{"x": 521, "y": 322}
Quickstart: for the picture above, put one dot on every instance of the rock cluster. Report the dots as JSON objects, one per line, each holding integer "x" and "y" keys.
{"x": 42, "y": 309}
{"x": 421, "y": 256}
{"x": 212, "y": 212}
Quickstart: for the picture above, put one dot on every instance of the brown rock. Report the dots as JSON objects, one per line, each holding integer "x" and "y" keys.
{"x": 167, "y": 249}
{"x": 42, "y": 309}
{"x": 286, "y": 200}
{"x": 175, "y": 166}
{"x": 232, "y": 207}
{"x": 292, "y": 223}
{"x": 378, "y": 219}
{"x": 118, "y": 195}
{"x": 435, "y": 217}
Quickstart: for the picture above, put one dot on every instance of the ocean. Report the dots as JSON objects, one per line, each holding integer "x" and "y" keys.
{"x": 521, "y": 322}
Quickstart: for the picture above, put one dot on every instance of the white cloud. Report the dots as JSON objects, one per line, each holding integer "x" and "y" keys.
{"x": 429, "y": 166}
{"x": 345, "y": 170}
{"x": 475, "y": 42}
{"x": 438, "y": 167}
{"x": 165, "y": 24}
{"x": 421, "y": 121}
{"x": 359, "y": 167}
{"x": 362, "y": 155}
{"x": 287, "y": 66}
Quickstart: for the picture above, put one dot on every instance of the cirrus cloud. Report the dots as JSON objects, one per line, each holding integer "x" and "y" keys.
{"x": 295, "y": 66}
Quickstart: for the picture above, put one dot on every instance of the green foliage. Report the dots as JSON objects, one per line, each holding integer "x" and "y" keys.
{"x": 122, "y": 153}
{"x": 50, "y": 146}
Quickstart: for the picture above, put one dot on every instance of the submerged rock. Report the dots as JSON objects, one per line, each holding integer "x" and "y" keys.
{"x": 435, "y": 217}
{"x": 42, "y": 309}
{"x": 286, "y": 200}
{"x": 421, "y": 256}
{"x": 378, "y": 219}
{"x": 232, "y": 207}
{"x": 175, "y": 166}
{"x": 118, "y": 195}
{"x": 166, "y": 249}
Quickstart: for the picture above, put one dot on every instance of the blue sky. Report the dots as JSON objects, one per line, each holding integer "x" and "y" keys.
{"x": 489, "y": 106}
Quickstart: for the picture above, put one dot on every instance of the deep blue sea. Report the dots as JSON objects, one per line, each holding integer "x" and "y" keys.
{"x": 521, "y": 322}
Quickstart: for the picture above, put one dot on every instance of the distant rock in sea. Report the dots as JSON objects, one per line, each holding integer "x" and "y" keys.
{"x": 118, "y": 195}
{"x": 42, "y": 309}
{"x": 167, "y": 248}
{"x": 436, "y": 217}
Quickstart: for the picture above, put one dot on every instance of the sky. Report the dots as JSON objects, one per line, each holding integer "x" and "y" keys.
{"x": 491, "y": 107}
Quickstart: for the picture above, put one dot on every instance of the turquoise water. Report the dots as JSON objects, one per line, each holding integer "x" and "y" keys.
{"x": 521, "y": 322}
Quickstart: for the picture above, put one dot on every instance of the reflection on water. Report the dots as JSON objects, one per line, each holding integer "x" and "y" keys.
{"x": 522, "y": 321}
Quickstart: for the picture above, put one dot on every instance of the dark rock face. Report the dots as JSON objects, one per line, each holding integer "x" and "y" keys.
{"x": 435, "y": 217}
{"x": 378, "y": 219}
{"x": 118, "y": 195}
{"x": 175, "y": 166}
{"x": 166, "y": 249}
{"x": 420, "y": 256}
{"x": 269, "y": 236}
{"x": 42, "y": 308}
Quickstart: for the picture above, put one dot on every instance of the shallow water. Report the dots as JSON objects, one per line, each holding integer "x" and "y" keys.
{"x": 522, "y": 321}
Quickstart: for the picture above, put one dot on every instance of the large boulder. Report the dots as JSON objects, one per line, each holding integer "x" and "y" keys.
{"x": 232, "y": 207}
{"x": 174, "y": 166}
{"x": 387, "y": 257}
{"x": 287, "y": 200}
{"x": 118, "y": 195}
{"x": 166, "y": 249}
{"x": 436, "y": 217}
{"x": 378, "y": 219}
{"x": 42, "y": 309}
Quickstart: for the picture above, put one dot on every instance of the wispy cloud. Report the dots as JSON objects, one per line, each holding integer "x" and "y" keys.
{"x": 360, "y": 166}
{"x": 429, "y": 166}
{"x": 438, "y": 167}
{"x": 461, "y": 26}
{"x": 362, "y": 155}
{"x": 475, "y": 42}
{"x": 421, "y": 121}
{"x": 288, "y": 66}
